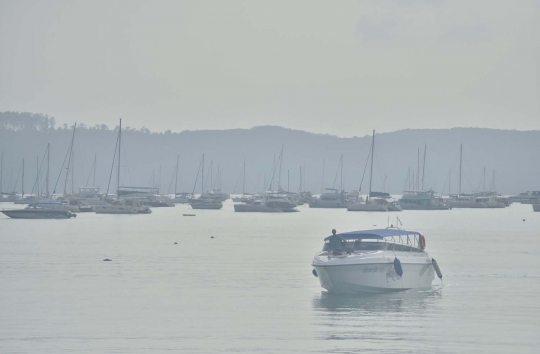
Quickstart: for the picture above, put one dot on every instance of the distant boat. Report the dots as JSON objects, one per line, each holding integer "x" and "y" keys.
{"x": 267, "y": 205}
{"x": 120, "y": 206}
{"x": 421, "y": 200}
{"x": 207, "y": 199}
{"x": 331, "y": 198}
{"x": 536, "y": 207}
{"x": 180, "y": 198}
{"x": 373, "y": 204}
{"x": 38, "y": 212}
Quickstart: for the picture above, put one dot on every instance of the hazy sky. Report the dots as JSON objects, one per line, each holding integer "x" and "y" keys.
{"x": 337, "y": 67}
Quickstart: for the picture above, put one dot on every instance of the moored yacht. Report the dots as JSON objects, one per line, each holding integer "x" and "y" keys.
{"x": 267, "y": 205}
{"x": 331, "y": 198}
{"x": 374, "y": 261}
{"x": 474, "y": 201}
{"x": 372, "y": 204}
{"x": 180, "y": 198}
{"x": 421, "y": 200}
{"x": 115, "y": 207}
{"x": 207, "y": 200}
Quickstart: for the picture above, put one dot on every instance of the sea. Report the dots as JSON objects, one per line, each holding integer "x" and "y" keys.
{"x": 225, "y": 282}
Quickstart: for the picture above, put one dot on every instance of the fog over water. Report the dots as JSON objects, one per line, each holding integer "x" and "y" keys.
{"x": 279, "y": 96}
{"x": 250, "y": 288}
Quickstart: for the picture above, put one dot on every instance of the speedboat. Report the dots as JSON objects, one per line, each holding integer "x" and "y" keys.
{"x": 38, "y": 212}
{"x": 374, "y": 261}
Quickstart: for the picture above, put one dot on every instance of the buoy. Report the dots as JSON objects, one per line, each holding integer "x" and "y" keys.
{"x": 211, "y": 236}
{"x": 314, "y": 272}
{"x": 437, "y": 269}
{"x": 106, "y": 260}
{"x": 523, "y": 219}
{"x": 397, "y": 267}
{"x": 176, "y": 243}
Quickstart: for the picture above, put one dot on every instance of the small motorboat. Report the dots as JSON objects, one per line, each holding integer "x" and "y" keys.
{"x": 374, "y": 261}
{"x": 38, "y": 212}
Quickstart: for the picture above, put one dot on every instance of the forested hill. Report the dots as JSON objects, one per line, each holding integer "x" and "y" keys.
{"x": 514, "y": 155}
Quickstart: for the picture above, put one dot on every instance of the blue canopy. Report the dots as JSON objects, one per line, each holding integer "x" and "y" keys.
{"x": 379, "y": 234}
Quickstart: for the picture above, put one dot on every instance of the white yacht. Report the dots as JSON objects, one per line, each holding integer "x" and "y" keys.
{"x": 267, "y": 205}
{"x": 474, "y": 201}
{"x": 421, "y": 200}
{"x": 115, "y": 207}
{"x": 374, "y": 261}
{"x": 372, "y": 204}
{"x": 331, "y": 198}
{"x": 208, "y": 200}
{"x": 180, "y": 198}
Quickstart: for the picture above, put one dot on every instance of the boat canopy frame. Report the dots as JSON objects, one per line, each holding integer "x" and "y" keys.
{"x": 394, "y": 234}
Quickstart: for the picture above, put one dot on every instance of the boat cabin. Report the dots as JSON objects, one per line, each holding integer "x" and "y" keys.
{"x": 359, "y": 242}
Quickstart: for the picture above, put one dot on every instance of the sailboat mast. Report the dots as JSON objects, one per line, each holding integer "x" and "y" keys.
{"x": 37, "y": 175}
{"x": 450, "y": 182}
{"x": 119, "y": 155}
{"x": 460, "y": 166}
{"x": 424, "y": 166}
{"x": 69, "y": 160}
{"x": 94, "y": 180}
{"x": 371, "y": 169}
{"x": 280, "y": 163}
{"x": 484, "y": 184}
{"x": 22, "y": 182}
{"x": 72, "y": 169}
{"x": 288, "y": 179}
{"x": 202, "y": 176}
{"x": 176, "y": 174}
{"x": 322, "y": 184}
{"x": 418, "y": 172}
{"x": 244, "y": 180}
{"x": 48, "y": 168}
{"x": 341, "y": 176}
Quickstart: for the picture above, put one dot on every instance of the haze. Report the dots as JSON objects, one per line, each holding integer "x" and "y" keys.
{"x": 340, "y": 68}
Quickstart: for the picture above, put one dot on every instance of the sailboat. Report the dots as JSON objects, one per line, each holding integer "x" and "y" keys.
{"x": 207, "y": 199}
{"x": 417, "y": 198}
{"x": 119, "y": 206}
{"x": 471, "y": 201}
{"x": 371, "y": 204}
{"x": 331, "y": 197}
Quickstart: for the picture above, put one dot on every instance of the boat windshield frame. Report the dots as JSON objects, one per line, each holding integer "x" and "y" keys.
{"x": 394, "y": 236}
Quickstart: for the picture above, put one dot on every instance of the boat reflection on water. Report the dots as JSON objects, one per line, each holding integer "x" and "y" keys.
{"x": 363, "y": 322}
{"x": 413, "y": 300}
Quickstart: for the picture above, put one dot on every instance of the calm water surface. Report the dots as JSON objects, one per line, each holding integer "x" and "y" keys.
{"x": 250, "y": 289}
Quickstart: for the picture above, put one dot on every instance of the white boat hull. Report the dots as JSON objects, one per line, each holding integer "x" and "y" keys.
{"x": 374, "y": 277}
{"x": 114, "y": 209}
{"x": 366, "y": 207}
